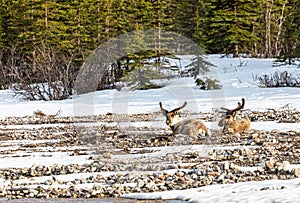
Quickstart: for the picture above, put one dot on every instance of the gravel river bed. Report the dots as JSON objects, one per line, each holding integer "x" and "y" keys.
{"x": 102, "y": 158}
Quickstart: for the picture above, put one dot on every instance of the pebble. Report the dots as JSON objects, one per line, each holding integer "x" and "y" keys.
{"x": 270, "y": 164}
{"x": 296, "y": 172}
{"x": 222, "y": 166}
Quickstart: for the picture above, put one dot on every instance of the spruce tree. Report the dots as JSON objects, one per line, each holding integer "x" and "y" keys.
{"x": 291, "y": 32}
{"x": 2, "y": 25}
{"x": 231, "y": 25}
{"x": 190, "y": 20}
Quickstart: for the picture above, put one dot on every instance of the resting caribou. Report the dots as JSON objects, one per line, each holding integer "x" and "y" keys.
{"x": 187, "y": 126}
{"x": 231, "y": 123}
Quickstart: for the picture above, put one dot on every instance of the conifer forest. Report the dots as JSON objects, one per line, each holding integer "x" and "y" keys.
{"x": 48, "y": 40}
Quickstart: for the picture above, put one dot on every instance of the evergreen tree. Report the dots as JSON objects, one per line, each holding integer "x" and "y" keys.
{"x": 231, "y": 25}
{"x": 185, "y": 17}
{"x": 190, "y": 20}
{"x": 78, "y": 25}
{"x": 291, "y": 33}
{"x": 139, "y": 71}
{"x": 13, "y": 23}
{"x": 199, "y": 65}
{"x": 201, "y": 24}
{"x": 2, "y": 25}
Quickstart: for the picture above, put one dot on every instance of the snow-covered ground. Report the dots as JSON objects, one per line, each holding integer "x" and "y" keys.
{"x": 262, "y": 191}
{"x": 237, "y": 77}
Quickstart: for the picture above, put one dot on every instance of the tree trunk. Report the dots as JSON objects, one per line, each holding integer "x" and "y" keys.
{"x": 279, "y": 31}
{"x": 235, "y": 46}
{"x": 78, "y": 24}
{"x": 98, "y": 26}
{"x": 46, "y": 16}
{"x": 158, "y": 65}
{"x": 268, "y": 31}
{"x": 236, "y": 50}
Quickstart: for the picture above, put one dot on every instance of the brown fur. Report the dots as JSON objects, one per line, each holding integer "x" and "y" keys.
{"x": 188, "y": 126}
{"x": 231, "y": 123}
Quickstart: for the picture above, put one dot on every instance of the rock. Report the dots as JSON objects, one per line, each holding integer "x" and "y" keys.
{"x": 180, "y": 173}
{"x": 261, "y": 169}
{"x": 296, "y": 172}
{"x": 286, "y": 166}
{"x": 258, "y": 141}
{"x": 213, "y": 173}
{"x": 217, "y": 168}
{"x": 221, "y": 178}
{"x": 255, "y": 135}
{"x": 221, "y": 166}
{"x": 270, "y": 164}
{"x": 235, "y": 167}
{"x": 140, "y": 184}
{"x": 162, "y": 188}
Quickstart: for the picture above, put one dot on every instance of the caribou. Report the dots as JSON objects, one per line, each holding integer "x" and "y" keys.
{"x": 187, "y": 126}
{"x": 232, "y": 123}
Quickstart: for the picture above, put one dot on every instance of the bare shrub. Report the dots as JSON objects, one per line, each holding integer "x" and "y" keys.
{"x": 208, "y": 83}
{"x": 279, "y": 79}
{"x": 48, "y": 75}
{"x": 10, "y": 60}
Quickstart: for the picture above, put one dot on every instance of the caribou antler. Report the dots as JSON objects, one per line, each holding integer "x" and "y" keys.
{"x": 174, "y": 110}
{"x": 239, "y": 107}
{"x": 160, "y": 104}
{"x": 181, "y": 107}
{"x": 164, "y": 111}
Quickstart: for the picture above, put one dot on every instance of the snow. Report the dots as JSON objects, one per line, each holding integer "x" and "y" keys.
{"x": 237, "y": 82}
{"x": 265, "y": 126}
{"x": 262, "y": 191}
{"x": 37, "y": 159}
{"x": 236, "y": 75}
